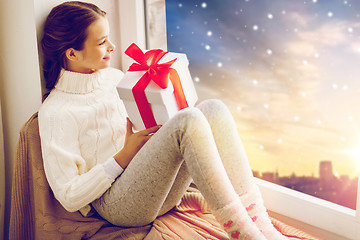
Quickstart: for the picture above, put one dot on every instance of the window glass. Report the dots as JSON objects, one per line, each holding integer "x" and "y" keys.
{"x": 288, "y": 71}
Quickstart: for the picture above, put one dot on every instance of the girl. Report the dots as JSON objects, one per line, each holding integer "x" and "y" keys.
{"x": 94, "y": 161}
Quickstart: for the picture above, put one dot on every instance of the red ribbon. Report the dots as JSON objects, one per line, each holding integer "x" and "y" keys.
{"x": 159, "y": 73}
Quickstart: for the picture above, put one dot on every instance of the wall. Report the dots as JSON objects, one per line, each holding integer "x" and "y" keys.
{"x": 21, "y": 23}
{"x": 19, "y": 79}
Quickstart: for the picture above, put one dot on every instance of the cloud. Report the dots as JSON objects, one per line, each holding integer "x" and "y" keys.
{"x": 328, "y": 34}
{"x": 298, "y": 18}
{"x": 355, "y": 47}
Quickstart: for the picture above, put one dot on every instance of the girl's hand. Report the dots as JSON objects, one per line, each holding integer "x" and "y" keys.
{"x": 133, "y": 143}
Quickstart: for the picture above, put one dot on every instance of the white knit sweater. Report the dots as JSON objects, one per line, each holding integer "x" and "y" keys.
{"x": 82, "y": 125}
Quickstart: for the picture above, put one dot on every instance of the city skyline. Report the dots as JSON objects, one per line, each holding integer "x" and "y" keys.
{"x": 337, "y": 189}
{"x": 315, "y": 174}
{"x": 286, "y": 70}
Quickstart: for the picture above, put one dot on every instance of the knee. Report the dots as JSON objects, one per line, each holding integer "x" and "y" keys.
{"x": 189, "y": 120}
{"x": 190, "y": 117}
{"x": 212, "y": 105}
{"x": 214, "y": 109}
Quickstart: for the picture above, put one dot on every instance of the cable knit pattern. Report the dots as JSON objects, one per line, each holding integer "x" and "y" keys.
{"x": 82, "y": 123}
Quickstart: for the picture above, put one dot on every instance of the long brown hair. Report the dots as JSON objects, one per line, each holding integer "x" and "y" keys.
{"x": 65, "y": 27}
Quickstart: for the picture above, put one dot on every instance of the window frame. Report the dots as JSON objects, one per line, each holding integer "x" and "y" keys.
{"x": 132, "y": 27}
{"x": 2, "y": 175}
{"x": 320, "y": 214}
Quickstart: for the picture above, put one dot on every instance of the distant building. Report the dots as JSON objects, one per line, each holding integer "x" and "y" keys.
{"x": 268, "y": 176}
{"x": 325, "y": 171}
{"x": 256, "y": 174}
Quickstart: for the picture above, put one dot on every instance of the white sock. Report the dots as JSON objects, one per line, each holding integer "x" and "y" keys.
{"x": 254, "y": 205}
{"x": 237, "y": 223}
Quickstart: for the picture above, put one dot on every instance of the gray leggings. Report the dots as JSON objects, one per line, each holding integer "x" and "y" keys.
{"x": 199, "y": 144}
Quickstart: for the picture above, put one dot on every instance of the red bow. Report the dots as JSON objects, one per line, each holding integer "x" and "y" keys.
{"x": 159, "y": 73}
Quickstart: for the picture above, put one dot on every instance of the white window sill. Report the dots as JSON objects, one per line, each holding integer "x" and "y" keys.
{"x": 318, "y": 213}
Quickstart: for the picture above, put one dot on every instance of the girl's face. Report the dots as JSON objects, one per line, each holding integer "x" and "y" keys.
{"x": 97, "y": 48}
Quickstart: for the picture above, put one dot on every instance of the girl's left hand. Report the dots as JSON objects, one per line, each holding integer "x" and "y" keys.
{"x": 133, "y": 143}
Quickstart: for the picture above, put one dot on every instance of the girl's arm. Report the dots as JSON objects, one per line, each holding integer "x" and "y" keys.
{"x": 74, "y": 182}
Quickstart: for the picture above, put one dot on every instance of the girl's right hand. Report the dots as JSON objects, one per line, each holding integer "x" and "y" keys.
{"x": 133, "y": 143}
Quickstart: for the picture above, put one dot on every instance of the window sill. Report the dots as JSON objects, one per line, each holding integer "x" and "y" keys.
{"x": 309, "y": 210}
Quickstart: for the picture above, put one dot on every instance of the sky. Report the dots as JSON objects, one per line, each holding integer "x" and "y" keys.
{"x": 288, "y": 71}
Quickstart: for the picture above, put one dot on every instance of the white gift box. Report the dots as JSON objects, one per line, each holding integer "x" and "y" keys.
{"x": 162, "y": 101}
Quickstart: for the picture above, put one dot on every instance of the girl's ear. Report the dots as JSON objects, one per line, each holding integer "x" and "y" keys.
{"x": 71, "y": 54}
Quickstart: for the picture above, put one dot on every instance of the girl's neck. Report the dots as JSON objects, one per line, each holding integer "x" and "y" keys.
{"x": 80, "y": 70}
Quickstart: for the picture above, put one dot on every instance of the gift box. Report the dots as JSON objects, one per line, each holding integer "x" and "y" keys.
{"x": 156, "y": 87}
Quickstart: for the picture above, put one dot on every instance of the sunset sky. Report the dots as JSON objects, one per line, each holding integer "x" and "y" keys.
{"x": 288, "y": 70}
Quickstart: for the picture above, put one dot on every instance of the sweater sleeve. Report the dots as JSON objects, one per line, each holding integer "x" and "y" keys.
{"x": 112, "y": 169}
{"x": 74, "y": 185}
